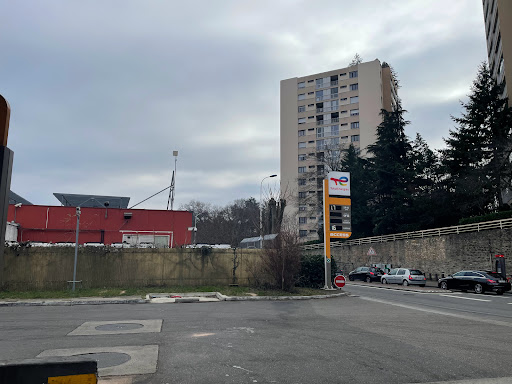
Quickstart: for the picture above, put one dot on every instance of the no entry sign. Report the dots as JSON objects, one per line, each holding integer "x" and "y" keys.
{"x": 339, "y": 281}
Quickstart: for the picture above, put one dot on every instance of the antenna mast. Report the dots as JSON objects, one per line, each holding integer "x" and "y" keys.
{"x": 173, "y": 182}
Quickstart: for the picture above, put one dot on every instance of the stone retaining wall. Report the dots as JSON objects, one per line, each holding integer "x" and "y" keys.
{"x": 435, "y": 255}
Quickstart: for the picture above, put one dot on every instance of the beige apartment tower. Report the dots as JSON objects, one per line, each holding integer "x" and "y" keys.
{"x": 321, "y": 113}
{"x": 498, "y": 29}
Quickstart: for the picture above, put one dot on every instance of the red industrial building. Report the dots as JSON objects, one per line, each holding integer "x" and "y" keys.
{"x": 51, "y": 224}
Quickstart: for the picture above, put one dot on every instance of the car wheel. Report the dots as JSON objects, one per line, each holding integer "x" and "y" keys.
{"x": 384, "y": 281}
{"x": 351, "y": 278}
{"x": 444, "y": 285}
{"x": 368, "y": 279}
{"x": 479, "y": 288}
{"x": 405, "y": 283}
{"x": 499, "y": 292}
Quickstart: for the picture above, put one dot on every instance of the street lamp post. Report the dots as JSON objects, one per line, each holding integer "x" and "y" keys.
{"x": 261, "y": 208}
{"x": 78, "y": 212}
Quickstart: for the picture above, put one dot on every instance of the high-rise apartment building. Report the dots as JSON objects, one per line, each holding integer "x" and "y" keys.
{"x": 320, "y": 115}
{"x": 498, "y": 29}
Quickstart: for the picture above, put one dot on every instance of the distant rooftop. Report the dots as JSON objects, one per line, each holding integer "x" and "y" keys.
{"x": 92, "y": 201}
{"x": 14, "y": 198}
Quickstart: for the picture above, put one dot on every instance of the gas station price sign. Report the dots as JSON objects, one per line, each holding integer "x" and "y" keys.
{"x": 339, "y": 217}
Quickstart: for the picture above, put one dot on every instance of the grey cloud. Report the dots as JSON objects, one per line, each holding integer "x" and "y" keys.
{"x": 102, "y": 92}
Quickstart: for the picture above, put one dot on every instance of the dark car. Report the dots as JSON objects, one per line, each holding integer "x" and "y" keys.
{"x": 367, "y": 274}
{"x": 477, "y": 281}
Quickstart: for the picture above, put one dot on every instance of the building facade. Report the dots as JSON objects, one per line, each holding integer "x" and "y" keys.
{"x": 50, "y": 224}
{"x": 498, "y": 29}
{"x": 320, "y": 115}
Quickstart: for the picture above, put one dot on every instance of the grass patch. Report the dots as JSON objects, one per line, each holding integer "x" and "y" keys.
{"x": 142, "y": 292}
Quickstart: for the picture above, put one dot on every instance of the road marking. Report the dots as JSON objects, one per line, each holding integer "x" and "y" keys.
{"x": 496, "y": 380}
{"x": 387, "y": 289}
{"x": 395, "y": 288}
{"x": 202, "y": 334}
{"x": 465, "y": 298}
{"x": 434, "y": 311}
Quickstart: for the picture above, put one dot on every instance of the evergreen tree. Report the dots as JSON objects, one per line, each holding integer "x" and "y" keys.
{"x": 428, "y": 194}
{"x": 360, "y": 191}
{"x": 393, "y": 174}
{"x": 477, "y": 157}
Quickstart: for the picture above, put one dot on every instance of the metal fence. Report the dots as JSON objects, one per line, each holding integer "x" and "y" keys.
{"x": 476, "y": 227}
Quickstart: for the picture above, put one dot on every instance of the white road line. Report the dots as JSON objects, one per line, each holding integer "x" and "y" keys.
{"x": 465, "y": 298}
{"x": 388, "y": 289}
{"x": 437, "y": 312}
{"x": 509, "y": 303}
{"x": 497, "y": 380}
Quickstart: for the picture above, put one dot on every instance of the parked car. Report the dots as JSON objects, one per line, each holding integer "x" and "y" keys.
{"x": 477, "y": 281}
{"x": 404, "y": 276}
{"x": 367, "y": 274}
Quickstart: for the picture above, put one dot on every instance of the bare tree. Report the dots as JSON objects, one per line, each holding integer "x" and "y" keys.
{"x": 281, "y": 259}
{"x": 225, "y": 225}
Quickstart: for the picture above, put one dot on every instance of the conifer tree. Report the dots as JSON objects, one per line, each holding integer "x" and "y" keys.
{"x": 477, "y": 157}
{"x": 361, "y": 193}
{"x": 393, "y": 174}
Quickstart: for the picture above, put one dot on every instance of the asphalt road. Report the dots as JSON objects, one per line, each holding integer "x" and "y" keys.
{"x": 487, "y": 308}
{"x": 371, "y": 336}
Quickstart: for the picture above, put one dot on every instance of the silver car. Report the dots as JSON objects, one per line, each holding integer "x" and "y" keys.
{"x": 404, "y": 276}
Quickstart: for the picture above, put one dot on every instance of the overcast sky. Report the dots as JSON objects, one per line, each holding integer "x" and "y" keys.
{"x": 102, "y": 92}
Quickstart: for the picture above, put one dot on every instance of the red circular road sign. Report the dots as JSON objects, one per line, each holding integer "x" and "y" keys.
{"x": 339, "y": 281}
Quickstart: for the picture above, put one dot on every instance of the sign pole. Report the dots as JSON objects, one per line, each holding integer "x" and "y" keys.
{"x": 327, "y": 238}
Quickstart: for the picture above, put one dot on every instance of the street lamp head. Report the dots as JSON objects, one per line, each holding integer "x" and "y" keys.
{"x": 272, "y": 175}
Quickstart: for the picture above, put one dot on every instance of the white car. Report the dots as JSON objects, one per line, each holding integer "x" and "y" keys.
{"x": 404, "y": 276}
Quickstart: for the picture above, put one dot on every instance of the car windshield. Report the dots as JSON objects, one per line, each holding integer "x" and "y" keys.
{"x": 415, "y": 272}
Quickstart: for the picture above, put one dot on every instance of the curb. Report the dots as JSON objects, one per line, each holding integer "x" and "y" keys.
{"x": 67, "y": 303}
{"x": 277, "y": 298}
{"x": 221, "y": 297}
{"x": 388, "y": 286}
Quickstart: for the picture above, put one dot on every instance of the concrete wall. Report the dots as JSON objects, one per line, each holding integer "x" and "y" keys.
{"x": 51, "y": 268}
{"x": 444, "y": 254}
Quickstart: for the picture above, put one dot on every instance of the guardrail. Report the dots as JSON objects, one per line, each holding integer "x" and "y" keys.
{"x": 476, "y": 227}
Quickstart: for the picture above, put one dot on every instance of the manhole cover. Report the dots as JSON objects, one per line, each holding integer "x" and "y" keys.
{"x": 118, "y": 327}
{"x": 108, "y": 359}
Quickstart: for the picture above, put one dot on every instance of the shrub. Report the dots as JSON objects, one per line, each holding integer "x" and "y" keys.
{"x": 488, "y": 217}
{"x": 312, "y": 271}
